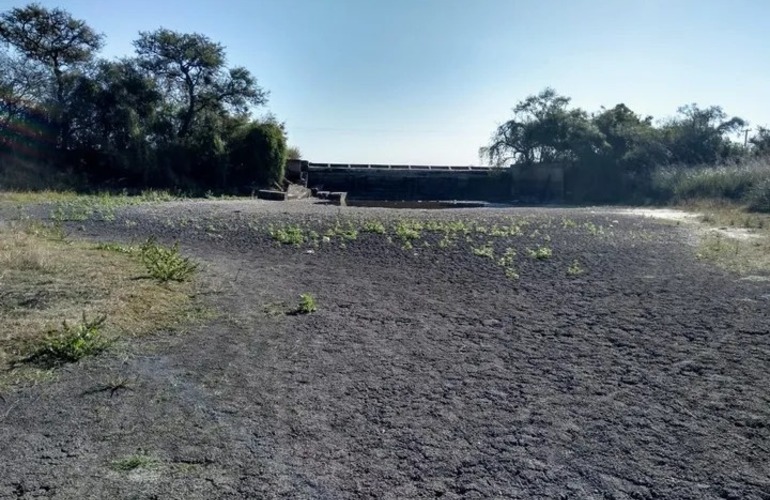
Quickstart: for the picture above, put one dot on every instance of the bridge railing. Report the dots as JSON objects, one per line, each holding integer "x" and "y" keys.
{"x": 361, "y": 166}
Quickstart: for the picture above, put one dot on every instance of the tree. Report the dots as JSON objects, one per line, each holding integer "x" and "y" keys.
{"x": 700, "y": 135}
{"x": 22, "y": 82}
{"x": 293, "y": 153}
{"x": 760, "y": 143}
{"x": 114, "y": 111}
{"x": 258, "y": 156}
{"x": 55, "y": 40}
{"x": 632, "y": 142}
{"x": 192, "y": 69}
{"x": 543, "y": 130}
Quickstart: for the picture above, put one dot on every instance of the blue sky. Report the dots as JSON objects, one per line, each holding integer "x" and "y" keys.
{"x": 427, "y": 81}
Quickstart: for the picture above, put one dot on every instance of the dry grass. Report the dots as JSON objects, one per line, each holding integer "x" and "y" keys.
{"x": 46, "y": 281}
{"x": 737, "y": 240}
{"x": 42, "y": 196}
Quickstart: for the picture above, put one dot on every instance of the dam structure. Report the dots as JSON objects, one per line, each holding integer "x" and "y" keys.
{"x": 539, "y": 183}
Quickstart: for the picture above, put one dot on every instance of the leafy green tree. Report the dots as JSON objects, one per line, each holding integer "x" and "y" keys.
{"x": 632, "y": 142}
{"x": 760, "y": 143}
{"x": 544, "y": 130}
{"x": 22, "y": 82}
{"x": 115, "y": 112}
{"x": 57, "y": 41}
{"x": 258, "y": 156}
{"x": 192, "y": 69}
{"x": 701, "y": 135}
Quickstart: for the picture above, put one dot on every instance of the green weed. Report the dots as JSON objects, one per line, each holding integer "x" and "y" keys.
{"x": 484, "y": 251}
{"x": 288, "y": 235}
{"x": 373, "y": 226}
{"x": 166, "y": 264}
{"x": 507, "y": 258}
{"x": 511, "y": 273}
{"x": 133, "y": 462}
{"x": 307, "y": 304}
{"x": 575, "y": 269}
{"x": 540, "y": 253}
{"x": 71, "y": 343}
{"x": 408, "y": 230}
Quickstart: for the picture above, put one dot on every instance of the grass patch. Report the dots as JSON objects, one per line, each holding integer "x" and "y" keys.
{"x": 71, "y": 343}
{"x": 104, "y": 199}
{"x": 738, "y": 182}
{"x": 47, "y": 281}
{"x": 408, "y": 231}
{"x": 166, "y": 263}
{"x": 575, "y": 269}
{"x": 484, "y": 251}
{"x": 133, "y": 462}
{"x": 748, "y": 251}
{"x": 540, "y": 253}
{"x": 373, "y": 226}
{"x": 288, "y": 235}
{"x": 307, "y": 304}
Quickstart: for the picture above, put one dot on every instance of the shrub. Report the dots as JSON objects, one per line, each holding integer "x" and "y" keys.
{"x": 758, "y": 197}
{"x": 731, "y": 181}
{"x": 166, "y": 264}
{"x": 72, "y": 342}
{"x": 307, "y": 304}
{"x": 258, "y": 156}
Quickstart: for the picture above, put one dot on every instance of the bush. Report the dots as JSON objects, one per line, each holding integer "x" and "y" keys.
{"x": 758, "y": 197}
{"x": 258, "y": 156}
{"x": 731, "y": 181}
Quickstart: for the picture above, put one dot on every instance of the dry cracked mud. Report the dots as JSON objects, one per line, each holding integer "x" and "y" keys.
{"x": 425, "y": 372}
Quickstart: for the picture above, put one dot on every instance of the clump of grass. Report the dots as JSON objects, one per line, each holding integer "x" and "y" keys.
{"x": 288, "y": 235}
{"x": 507, "y": 258}
{"x": 115, "y": 247}
{"x": 540, "y": 253}
{"x": 307, "y": 304}
{"x": 349, "y": 233}
{"x": 20, "y": 253}
{"x": 445, "y": 242}
{"x": 166, "y": 264}
{"x": 408, "y": 230}
{"x": 133, "y": 462}
{"x": 511, "y": 273}
{"x": 575, "y": 269}
{"x": 593, "y": 229}
{"x": 484, "y": 251}
{"x": 72, "y": 343}
{"x": 373, "y": 226}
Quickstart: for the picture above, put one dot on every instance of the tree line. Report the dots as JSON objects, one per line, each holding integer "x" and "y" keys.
{"x": 174, "y": 115}
{"x": 612, "y": 154}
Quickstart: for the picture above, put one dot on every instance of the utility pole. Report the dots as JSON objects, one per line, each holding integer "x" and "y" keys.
{"x": 746, "y": 137}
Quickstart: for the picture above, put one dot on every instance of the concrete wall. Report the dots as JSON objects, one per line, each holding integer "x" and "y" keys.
{"x": 410, "y": 182}
{"x": 434, "y": 182}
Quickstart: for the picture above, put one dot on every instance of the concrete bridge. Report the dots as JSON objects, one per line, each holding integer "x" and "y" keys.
{"x": 537, "y": 183}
